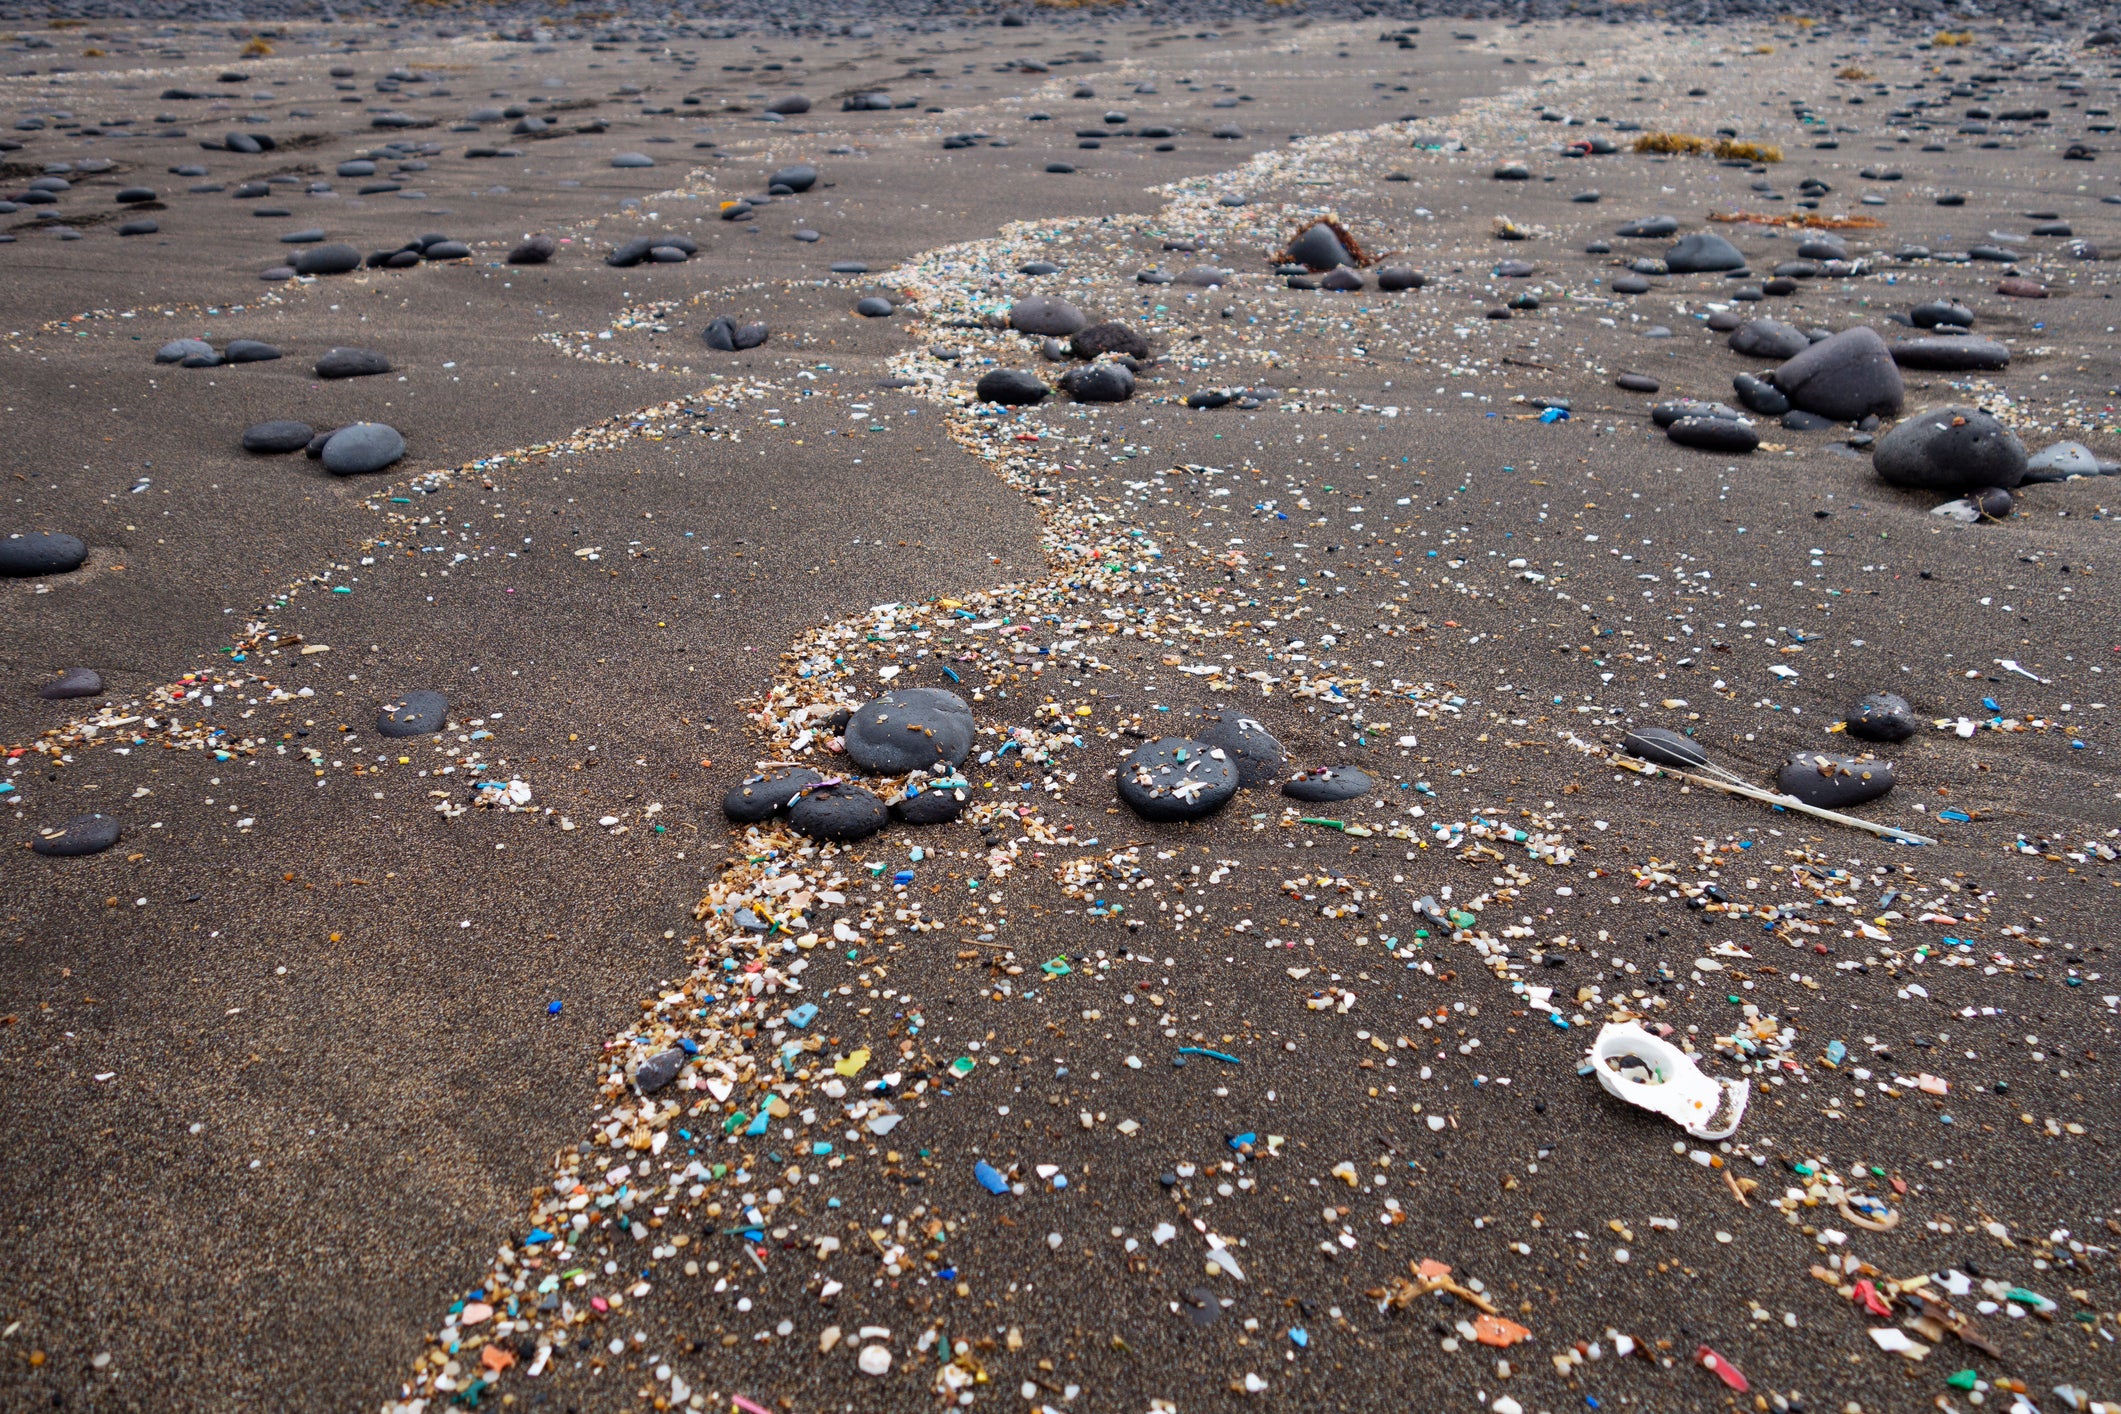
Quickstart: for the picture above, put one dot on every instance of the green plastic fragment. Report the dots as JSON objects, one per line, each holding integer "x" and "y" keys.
{"x": 1316, "y": 820}
{"x": 963, "y": 1066}
{"x": 1056, "y": 967}
{"x": 1962, "y": 1379}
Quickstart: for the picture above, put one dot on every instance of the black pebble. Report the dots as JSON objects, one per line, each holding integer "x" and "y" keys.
{"x": 658, "y": 1070}
{"x": 1154, "y": 779}
{"x": 84, "y": 834}
{"x": 1259, "y": 758}
{"x": 911, "y": 729}
{"x": 281, "y": 436}
{"x": 352, "y": 363}
{"x": 1012, "y": 387}
{"x": 74, "y": 682}
{"x": 837, "y": 813}
{"x": 1883, "y": 716}
{"x": 419, "y": 713}
{"x": 937, "y": 803}
{"x": 1328, "y": 783}
{"x": 766, "y": 794}
{"x": 1833, "y": 782}
{"x": 40, "y": 552}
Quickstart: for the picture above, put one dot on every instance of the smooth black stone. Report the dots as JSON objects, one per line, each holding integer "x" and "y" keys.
{"x": 798, "y": 178}
{"x": 1960, "y": 354}
{"x": 1319, "y": 247}
{"x": 2062, "y": 460}
{"x": 1251, "y": 748}
{"x": 1703, "y": 252}
{"x": 1393, "y": 278}
{"x": 40, "y": 552}
{"x": 1637, "y": 383}
{"x": 1833, "y": 782}
{"x": 1343, "y": 280}
{"x": 416, "y": 713}
{"x": 1883, "y": 716}
{"x": 766, "y": 794}
{"x": 282, "y": 436}
{"x": 1932, "y": 313}
{"x": 1176, "y": 778}
{"x": 1760, "y": 396}
{"x": 135, "y": 196}
{"x": 327, "y": 260}
{"x": 1952, "y": 449}
{"x": 1822, "y": 248}
{"x": 1631, "y": 285}
{"x": 177, "y": 350}
{"x": 1768, "y": 338}
{"x": 1047, "y": 316}
{"x": 249, "y": 351}
{"x": 874, "y": 307}
{"x": 728, "y": 336}
{"x": 74, "y": 682}
{"x": 1650, "y": 227}
{"x": 1665, "y": 414}
{"x": 658, "y": 1070}
{"x": 837, "y": 814}
{"x": 1038, "y": 267}
{"x": 1665, "y": 747}
{"x": 84, "y": 834}
{"x": 535, "y": 250}
{"x": 1208, "y": 398}
{"x": 936, "y": 804}
{"x": 1325, "y": 784}
{"x": 1847, "y": 377}
{"x": 308, "y": 237}
{"x": 912, "y": 729}
{"x": 1099, "y": 383}
{"x": 788, "y": 104}
{"x": 362, "y": 447}
{"x": 1012, "y": 387}
{"x": 351, "y": 363}
{"x": 138, "y": 228}
{"x": 445, "y": 250}
{"x": 1109, "y": 337}
{"x": 1714, "y": 434}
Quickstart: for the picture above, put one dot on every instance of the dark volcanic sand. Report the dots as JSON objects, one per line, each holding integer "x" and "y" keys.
{"x": 293, "y": 1110}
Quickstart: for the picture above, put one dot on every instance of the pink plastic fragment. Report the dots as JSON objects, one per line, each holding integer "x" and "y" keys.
{"x": 1723, "y": 1369}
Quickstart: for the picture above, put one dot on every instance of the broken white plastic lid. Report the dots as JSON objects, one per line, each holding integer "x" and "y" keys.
{"x": 1655, "y": 1075}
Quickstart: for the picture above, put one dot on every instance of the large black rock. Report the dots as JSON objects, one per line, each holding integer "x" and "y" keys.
{"x": 762, "y": 796}
{"x": 1954, "y": 449}
{"x": 912, "y": 729}
{"x": 1848, "y": 377}
{"x": 1176, "y": 778}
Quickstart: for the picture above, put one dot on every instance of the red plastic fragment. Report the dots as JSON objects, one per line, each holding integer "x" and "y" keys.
{"x": 1723, "y": 1369}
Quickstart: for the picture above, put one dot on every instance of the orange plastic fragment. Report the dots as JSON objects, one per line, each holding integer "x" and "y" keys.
{"x": 1723, "y": 1369}
{"x": 497, "y": 1358}
{"x": 1431, "y": 1268}
{"x": 1498, "y": 1331}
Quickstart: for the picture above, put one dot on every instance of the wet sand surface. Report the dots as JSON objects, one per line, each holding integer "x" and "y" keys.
{"x": 325, "y": 1077}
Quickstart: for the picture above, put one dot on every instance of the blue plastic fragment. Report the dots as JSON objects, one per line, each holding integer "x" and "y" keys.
{"x": 689, "y": 1046}
{"x": 759, "y": 1122}
{"x": 801, "y": 1017}
{"x": 1240, "y": 1141}
{"x": 537, "y": 1235}
{"x": 990, "y": 1178}
{"x": 552, "y": 1008}
{"x": 1299, "y": 1337}
{"x": 1837, "y": 1051}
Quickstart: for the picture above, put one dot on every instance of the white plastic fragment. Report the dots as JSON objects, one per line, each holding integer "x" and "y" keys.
{"x": 1652, "y": 1074}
